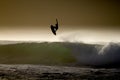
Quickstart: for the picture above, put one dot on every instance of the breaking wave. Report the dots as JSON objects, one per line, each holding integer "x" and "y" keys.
{"x": 61, "y": 53}
{"x": 97, "y": 55}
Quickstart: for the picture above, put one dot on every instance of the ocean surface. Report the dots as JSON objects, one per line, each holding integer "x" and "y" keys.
{"x": 42, "y": 72}
{"x": 59, "y": 61}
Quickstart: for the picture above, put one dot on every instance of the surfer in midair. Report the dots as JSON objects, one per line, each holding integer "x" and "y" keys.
{"x": 54, "y": 28}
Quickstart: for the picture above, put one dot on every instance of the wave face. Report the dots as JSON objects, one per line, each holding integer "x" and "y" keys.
{"x": 61, "y": 53}
{"x": 35, "y": 53}
{"x": 97, "y": 55}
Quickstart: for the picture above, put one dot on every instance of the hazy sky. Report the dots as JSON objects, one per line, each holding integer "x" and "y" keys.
{"x": 88, "y": 20}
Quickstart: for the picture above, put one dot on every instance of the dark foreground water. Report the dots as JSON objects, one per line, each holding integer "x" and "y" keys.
{"x": 40, "y": 72}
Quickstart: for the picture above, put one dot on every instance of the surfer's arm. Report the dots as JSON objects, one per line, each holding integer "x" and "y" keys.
{"x": 56, "y": 23}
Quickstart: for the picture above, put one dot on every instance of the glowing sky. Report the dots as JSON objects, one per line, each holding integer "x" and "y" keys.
{"x": 79, "y": 20}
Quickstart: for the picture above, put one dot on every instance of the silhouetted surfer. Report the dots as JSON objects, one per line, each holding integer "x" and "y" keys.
{"x": 54, "y": 28}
